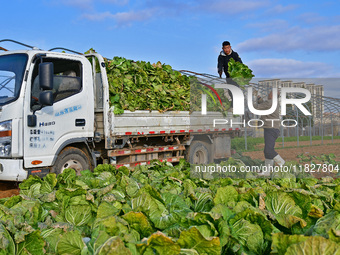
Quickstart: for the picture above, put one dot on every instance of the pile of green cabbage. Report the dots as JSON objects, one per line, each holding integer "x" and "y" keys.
{"x": 163, "y": 209}
{"x": 140, "y": 85}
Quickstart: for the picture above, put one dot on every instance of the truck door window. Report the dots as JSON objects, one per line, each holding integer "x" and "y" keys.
{"x": 7, "y": 85}
{"x": 12, "y": 68}
{"x": 67, "y": 80}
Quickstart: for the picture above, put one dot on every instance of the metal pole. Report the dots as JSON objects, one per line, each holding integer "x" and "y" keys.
{"x": 282, "y": 137}
{"x": 245, "y": 137}
{"x": 332, "y": 126}
{"x": 310, "y": 130}
{"x": 297, "y": 128}
{"x": 321, "y": 126}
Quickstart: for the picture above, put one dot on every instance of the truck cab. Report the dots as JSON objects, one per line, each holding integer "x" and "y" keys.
{"x": 37, "y": 121}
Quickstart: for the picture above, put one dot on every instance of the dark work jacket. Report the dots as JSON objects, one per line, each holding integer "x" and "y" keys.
{"x": 223, "y": 60}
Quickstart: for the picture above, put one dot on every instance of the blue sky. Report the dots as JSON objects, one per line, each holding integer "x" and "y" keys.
{"x": 278, "y": 39}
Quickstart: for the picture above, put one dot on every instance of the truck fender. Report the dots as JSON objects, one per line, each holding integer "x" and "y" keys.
{"x": 76, "y": 142}
{"x": 206, "y": 138}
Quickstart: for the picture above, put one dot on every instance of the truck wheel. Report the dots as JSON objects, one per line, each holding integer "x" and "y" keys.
{"x": 199, "y": 153}
{"x": 71, "y": 157}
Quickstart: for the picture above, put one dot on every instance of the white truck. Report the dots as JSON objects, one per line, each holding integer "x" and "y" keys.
{"x": 55, "y": 114}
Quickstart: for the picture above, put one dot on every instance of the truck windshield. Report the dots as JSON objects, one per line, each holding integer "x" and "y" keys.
{"x": 12, "y": 68}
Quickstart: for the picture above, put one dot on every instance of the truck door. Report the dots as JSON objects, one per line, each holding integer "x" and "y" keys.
{"x": 69, "y": 119}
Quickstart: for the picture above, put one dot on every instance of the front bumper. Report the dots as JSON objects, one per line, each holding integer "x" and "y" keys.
{"x": 12, "y": 170}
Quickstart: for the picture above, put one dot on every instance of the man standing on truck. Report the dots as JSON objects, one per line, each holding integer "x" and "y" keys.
{"x": 271, "y": 133}
{"x": 222, "y": 64}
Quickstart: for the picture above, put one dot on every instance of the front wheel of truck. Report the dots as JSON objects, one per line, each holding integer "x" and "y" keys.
{"x": 71, "y": 157}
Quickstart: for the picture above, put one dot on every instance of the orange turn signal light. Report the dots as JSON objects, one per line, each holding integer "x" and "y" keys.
{"x": 36, "y": 162}
{"x": 5, "y": 133}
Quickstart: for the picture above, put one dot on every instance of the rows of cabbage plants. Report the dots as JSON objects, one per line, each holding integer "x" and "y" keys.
{"x": 163, "y": 209}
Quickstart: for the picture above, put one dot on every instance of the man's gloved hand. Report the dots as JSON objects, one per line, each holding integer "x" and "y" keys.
{"x": 220, "y": 73}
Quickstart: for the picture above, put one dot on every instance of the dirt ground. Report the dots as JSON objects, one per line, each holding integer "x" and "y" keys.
{"x": 301, "y": 143}
{"x": 290, "y": 154}
{"x": 8, "y": 189}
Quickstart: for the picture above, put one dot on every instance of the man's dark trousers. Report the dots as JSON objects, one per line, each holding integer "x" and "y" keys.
{"x": 270, "y": 136}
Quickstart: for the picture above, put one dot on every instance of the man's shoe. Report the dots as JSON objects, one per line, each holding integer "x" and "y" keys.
{"x": 268, "y": 168}
{"x": 278, "y": 160}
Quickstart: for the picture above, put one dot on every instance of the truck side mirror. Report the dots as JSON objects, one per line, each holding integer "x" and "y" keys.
{"x": 46, "y": 98}
{"x": 46, "y": 76}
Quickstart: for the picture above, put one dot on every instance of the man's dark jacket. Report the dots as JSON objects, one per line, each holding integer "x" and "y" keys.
{"x": 223, "y": 61}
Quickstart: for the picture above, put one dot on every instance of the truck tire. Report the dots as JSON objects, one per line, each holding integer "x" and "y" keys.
{"x": 71, "y": 157}
{"x": 199, "y": 153}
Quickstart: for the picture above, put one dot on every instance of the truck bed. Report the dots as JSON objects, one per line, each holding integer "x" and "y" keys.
{"x": 154, "y": 122}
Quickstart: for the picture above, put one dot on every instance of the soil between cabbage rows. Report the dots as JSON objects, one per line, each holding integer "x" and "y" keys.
{"x": 291, "y": 153}
{"x": 8, "y": 189}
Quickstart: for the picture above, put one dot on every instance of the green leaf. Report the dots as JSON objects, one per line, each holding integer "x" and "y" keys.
{"x": 154, "y": 209}
{"x": 7, "y": 245}
{"x": 113, "y": 246}
{"x": 12, "y": 201}
{"x": 50, "y": 181}
{"x": 283, "y": 207}
{"x": 239, "y": 72}
{"x": 106, "y": 209}
{"x": 248, "y": 234}
{"x": 188, "y": 252}
{"x": 203, "y": 202}
{"x": 139, "y": 222}
{"x": 226, "y": 195}
{"x": 71, "y": 243}
{"x": 78, "y": 215}
{"x": 315, "y": 245}
{"x": 33, "y": 244}
{"x": 130, "y": 185}
{"x": 281, "y": 242}
{"x": 52, "y": 237}
{"x": 193, "y": 239}
{"x": 159, "y": 243}
{"x": 330, "y": 221}
{"x": 67, "y": 178}
{"x": 27, "y": 184}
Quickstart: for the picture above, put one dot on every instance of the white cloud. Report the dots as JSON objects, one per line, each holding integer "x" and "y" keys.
{"x": 89, "y": 4}
{"x": 98, "y": 16}
{"x": 273, "y": 25}
{"x": 82, "y": 4}
{"x": 232, "y": 7}
{"x": 295, "y": 70}
{"x": 278, "y": 9}
{"x": 122, "y": 18}
{"x": 281, "y": 68}
{"x": 310, "y": 18}
{"x": 321, "y": 38}
{"x": 117, "y": 2}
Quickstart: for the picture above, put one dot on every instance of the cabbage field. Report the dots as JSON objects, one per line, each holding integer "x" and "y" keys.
{"x": 163, "y": 209}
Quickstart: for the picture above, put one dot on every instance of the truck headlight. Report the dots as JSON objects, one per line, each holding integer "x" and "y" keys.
{"x": 6, "y": 138}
